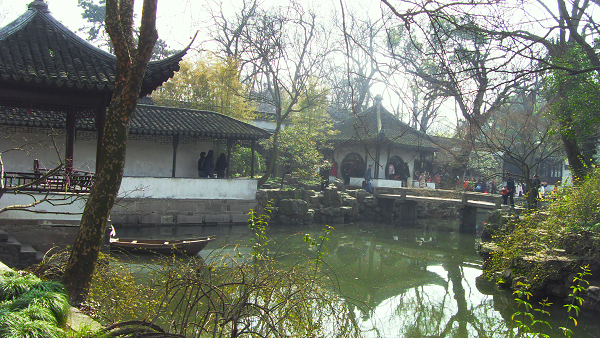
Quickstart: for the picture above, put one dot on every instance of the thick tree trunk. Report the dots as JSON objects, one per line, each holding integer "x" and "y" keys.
{"x": 273, "y": 158}
{"x": 574, "y": 157}
{"x": 131, "y": 66}
{"x": 87, "y": 245}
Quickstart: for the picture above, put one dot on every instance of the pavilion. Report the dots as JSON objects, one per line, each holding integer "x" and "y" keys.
{"x": 54, "y": 91}
{"x": 377, "y": 137}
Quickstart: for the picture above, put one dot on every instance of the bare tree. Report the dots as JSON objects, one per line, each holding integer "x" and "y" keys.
{"x": 458, "y": 63}
{"x": 281, "y": 49}
{"x": 521, "y": 134}
{"x": 545, "y": 34}
{"x": 361, "y": 46}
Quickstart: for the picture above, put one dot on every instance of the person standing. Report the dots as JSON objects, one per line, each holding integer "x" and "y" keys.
{"x": 368, "y": 178}
{"x": 334, "y": 170}
{"x": 391, "y": 172}
{"x": 221, "y": 165}
{"x": 510, "y": 185}
{"x": 519, "y": 190}
{"x": 346, "y": 173}
{"x": 209, "y": 164}
{"x": 324, "y": 172}
{"x": 201, "y": 172}
{"x": 535, "y": 189}
{"x": 504, "y": 192}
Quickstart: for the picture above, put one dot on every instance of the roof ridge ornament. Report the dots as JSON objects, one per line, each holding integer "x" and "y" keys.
{"x": 378, "y": 100}
{"x": 39, "y": 5}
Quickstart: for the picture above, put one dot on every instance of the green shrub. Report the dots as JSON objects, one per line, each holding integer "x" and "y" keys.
{"x": 13, "y": 284}
{"x": 32, "y": 308}
{"x": 569, "y": 226}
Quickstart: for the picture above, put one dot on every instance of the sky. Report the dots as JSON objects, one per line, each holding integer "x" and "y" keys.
{"x": 177, "y": 20}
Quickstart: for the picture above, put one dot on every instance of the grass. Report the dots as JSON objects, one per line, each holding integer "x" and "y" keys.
{"x": 31, "y": 308}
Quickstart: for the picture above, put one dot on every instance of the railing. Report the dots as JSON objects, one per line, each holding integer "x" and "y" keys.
{"x": 460, "y": 197}
{"x": 49, "y": 181}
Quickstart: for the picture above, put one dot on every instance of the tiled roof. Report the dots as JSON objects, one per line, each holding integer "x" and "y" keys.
{"x": 36, "y": 49}
{"x": 363, "y": 129}
{"x": 147, "y": 120}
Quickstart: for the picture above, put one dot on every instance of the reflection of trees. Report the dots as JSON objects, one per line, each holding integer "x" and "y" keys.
{"x": 379, "y": 277}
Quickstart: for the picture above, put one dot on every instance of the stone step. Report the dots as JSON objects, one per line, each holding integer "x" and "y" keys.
{"x": 27, "y": 256}
{"x": 3, "y": 236}
{"x": 17, "y": 255}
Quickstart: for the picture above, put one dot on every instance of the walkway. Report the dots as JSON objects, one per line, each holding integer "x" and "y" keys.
{"x": 466, "y": 198}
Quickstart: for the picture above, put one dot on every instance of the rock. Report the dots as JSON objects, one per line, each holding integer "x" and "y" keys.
{"x": 349, "y": 201}
{"x": 486, "y": 249}
{"x": 293, "y": 207}
{"x": 494, "y": 217}
{"x": 507, "y": 275}
{"x": 593, "y": 292}
{"x": 339, "y": 184}
{"x": 370, "y": 201}
{"x": 336, "y": 199}
{"x": 331, "y": 211}
{"x": 361, "y": 195}
{"x": 347, "y": 210}
{"x": 307, "y": 194}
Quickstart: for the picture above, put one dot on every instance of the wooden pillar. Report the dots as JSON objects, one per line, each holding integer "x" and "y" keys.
{"x": 229, "y": 145}
{"x": 175, "y": 145}
{"x": 468, "y": 219}
{"x": 377, "y": 158}
{"x": 70, "y": 142}
{"x": 252, "y": 159}
{"x": 100, "y": 122}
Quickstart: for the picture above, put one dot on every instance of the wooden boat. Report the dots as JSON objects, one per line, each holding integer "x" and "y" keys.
{"x": 189, "y": 247}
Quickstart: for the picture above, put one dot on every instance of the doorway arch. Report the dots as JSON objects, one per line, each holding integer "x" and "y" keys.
{"x": 399, "y": 168}
{"x": 353, "y": 165}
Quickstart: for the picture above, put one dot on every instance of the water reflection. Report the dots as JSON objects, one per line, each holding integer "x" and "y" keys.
{"x": 405, "y": 282}
{"x": 418, "y": 283}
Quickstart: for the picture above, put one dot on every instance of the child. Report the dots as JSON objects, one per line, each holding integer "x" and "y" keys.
{"x": 504, "y": 191}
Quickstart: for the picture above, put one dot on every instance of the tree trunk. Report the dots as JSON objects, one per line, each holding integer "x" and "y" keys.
{"x": 131, "y": 66}
{"x": 274, "y": 155}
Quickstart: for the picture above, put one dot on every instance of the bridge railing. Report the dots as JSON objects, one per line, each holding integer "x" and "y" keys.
{"x": 462, "y": 197}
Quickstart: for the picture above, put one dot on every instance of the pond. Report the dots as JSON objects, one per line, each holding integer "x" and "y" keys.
{"x": 419, "y": 282}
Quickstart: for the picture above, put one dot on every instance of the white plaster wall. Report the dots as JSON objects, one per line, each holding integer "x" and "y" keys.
{"x": 68, "y": 204}
{"x": 149, "y": 158}
{"x": 182, "y": 188}
{"x": 145, "y": 158}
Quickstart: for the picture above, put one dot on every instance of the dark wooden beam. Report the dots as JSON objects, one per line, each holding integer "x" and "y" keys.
{"x": 229, "y": 146}
{"x": 70, "y": 143}
{"x": 175, "y": 145}
{"x": 100, "y": 122}
{"x": 252, "y": 160}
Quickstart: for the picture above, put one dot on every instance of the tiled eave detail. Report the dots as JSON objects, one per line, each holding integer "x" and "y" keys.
{"x": 37, "y": 50}
{"x": 147, "y": 120}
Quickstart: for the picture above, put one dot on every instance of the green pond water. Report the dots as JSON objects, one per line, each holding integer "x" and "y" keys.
{"x": 419, "y": 282}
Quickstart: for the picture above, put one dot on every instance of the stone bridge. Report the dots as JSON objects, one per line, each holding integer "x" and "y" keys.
{"x": 469, "y": 202}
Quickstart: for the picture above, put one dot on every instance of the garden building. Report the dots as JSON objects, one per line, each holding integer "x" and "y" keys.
{"x": 397, "y": 152}
{"x": 54, "y": 91}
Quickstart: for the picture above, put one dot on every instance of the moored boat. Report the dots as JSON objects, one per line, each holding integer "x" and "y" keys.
{"x": 189, "y": 247}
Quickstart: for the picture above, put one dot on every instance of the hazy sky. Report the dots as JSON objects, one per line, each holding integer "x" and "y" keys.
{"x": 177, "y": 20}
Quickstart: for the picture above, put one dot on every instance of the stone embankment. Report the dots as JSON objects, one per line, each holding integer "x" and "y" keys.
{"x": 305, "y": 205}
{"x": 560, "y": 264}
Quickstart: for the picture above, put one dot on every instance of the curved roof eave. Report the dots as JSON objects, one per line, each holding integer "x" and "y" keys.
{"x": 66, "y": 61}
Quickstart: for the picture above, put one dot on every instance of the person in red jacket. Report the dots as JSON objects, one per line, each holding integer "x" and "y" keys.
{"x": 504, "y": 192}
